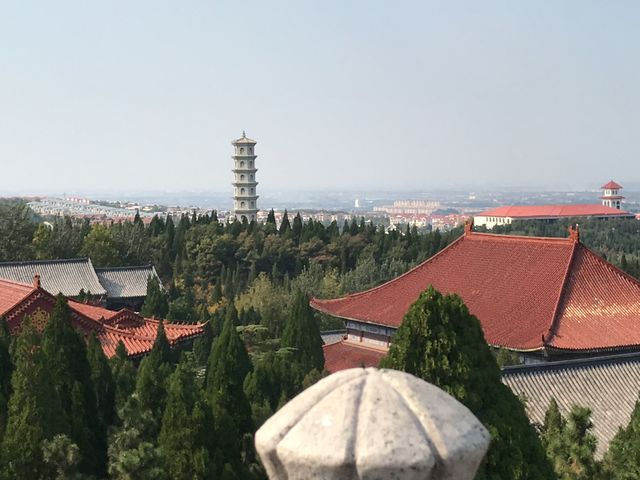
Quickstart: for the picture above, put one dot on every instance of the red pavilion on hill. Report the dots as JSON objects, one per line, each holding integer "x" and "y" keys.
{"x": 541, "y": 297}
{"x": 18, "y": 300}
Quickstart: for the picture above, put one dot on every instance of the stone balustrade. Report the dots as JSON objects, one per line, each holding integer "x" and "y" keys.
{"x": 372, "y": 424}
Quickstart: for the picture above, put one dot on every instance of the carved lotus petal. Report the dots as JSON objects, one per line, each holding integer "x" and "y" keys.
{"x": 372, "y": 424}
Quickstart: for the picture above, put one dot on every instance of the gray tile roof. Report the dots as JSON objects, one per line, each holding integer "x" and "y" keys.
{"x": 126, "y": 282}
{"x": 56, "y": 276}
{"x": 609, "y": 386}
{"x": 332, "y": 336}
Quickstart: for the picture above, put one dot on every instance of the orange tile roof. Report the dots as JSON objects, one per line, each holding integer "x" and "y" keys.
{"x": 611, "y": 185}
{"x": 527, "y": 292}
{"x": 342, "y": 355}
{"x": 554, "y": 211}
{"x": 135, "y": 331}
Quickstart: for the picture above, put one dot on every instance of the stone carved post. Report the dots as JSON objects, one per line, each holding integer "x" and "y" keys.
{"x": 372, "y": 424}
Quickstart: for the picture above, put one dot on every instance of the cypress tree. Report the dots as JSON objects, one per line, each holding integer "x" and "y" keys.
{"x": 228, "y": 366}
{"x": 622, "y": 460}
{"x": 442, "y": 343}
{"x": 271, "y": 217}
{"x": 65, "y": 353}
{"x": 302, "y": 333}
{"x": 187, "y": 425}
{"x": 296, "y": 230}
{"x": 580, "y": 444}
{"x": 6, "y": 369}
{"x": 551, "y": 435}
{"x": 156, "y": 304}
{"x": 124, "y": 376}
{"x": 103, "y": 382}
{"x": 34, "y": 414}
{"x": 154, "y": 370}
{"x": 285, "y": 225}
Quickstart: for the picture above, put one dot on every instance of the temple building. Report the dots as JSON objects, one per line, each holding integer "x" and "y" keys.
{"x": 610, "y": 207}
{"x": 245, "y": 198}
{"x": 19, "y": 300}
{"x": 544, "y": 298}
{"x": 114, "y": 288}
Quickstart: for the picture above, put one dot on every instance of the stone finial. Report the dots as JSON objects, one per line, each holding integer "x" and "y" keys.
{"x": 372, "y": 424}
{"x": 468, "y": 226}
{"x": 574, "y": 233}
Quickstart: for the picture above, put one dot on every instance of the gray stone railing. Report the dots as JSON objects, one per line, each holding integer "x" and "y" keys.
{"x": 372, "y": 424}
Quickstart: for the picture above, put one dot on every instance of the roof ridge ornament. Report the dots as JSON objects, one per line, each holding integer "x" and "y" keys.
{"x": 468, "y": 227}
{"x": 574, "y": 233}
{"x": 36, "y": 281}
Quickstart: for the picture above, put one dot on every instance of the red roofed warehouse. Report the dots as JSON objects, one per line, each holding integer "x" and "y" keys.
{"x": 538, "y": 296}
{"x": 18, "y": 300}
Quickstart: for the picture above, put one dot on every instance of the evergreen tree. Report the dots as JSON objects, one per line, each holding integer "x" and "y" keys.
{"x": 302, "y": 333}
{"x": 622, "y": 460}
{"x": 296, "y": 230}
{"x": 552, "y": 435}
{"x": 132, "y": 454}
{"x": 102, "y": 380}
{"x": 34, "y": 414}
{"x": 124, "y": 376}
{"x": 156, "y": 304}
{"x": 285, "y": 225}
{"x": 186, "y": 432}
{"x": 153, "y": 373}
{"x": 228, "y": 366}
{"x": 62, "y": 458}
{"x": 442, "y": 343}
{"x": 580, "y": 444}
{"x": 6, "y": 369}
{"x": 67, "y": 364}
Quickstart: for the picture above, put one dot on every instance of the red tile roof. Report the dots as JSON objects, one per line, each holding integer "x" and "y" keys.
{"x": 611, "y": 185}
{"x": 135, "y": 331}
{"x": 342, "y": 355}
{"x": 527, "y": 292}
{"x": 554, "y": 211}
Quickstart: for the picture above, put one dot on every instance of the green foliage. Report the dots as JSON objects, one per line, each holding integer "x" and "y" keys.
{"x": 65, "y": 353}
{"x": 100, "y": 246}
{"x": 187, "y": 425}
{"x": 62, "y": 458}
{"x": 153, "y": 374}
{"x": 622, "y": 460}
{"x": 302, "y": 333}
{"x": 6, "y": 369}
{"x": 442, "y": 343}
{"x": 156, "y": 304}
{"x": 103, "y": 382}
{"x": 132, "y": 453}
{"x": 16, "y": 231}
{"x": 34, "y": 414}
{"x": 124, "y": 376}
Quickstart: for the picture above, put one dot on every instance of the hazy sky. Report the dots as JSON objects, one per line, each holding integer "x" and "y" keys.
{"x": 147, "y": 95}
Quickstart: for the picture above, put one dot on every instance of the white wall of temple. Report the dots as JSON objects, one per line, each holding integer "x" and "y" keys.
{"x": 490, "y": 222}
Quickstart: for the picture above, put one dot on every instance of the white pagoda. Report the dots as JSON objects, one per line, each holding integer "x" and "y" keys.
{"x": 245, "y": 199}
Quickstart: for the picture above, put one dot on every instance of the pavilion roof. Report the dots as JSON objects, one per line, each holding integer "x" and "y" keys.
{"x": 611, "y": 185}
{"x": 126, "y": 282}
{"x": 529, "y": 293}
{"x": 345, "y": 354}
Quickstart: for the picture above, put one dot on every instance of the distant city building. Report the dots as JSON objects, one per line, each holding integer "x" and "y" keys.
{"x": 409, "y": 207}
{"x": 245, "y": 198}
{"x": 610, "y": 208}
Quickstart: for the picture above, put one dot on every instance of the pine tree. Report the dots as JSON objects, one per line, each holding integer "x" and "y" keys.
{"x": 442, "y": 343}
{"x": 228, "y": 366}
{"x": 580, "y": 444}
{"x": 124, "y": 376}
{"x": 65, "y": 354}
{"x": 62, "y": 458}
{"x": 185, "y": 436}
{"x": 34, "y": 414}
{"x": 6, "y": 369}
{"x": 156, "y": 304}
{"x": 285, "y": 225}
{"x": 153, "y": 373}
{"x": 103, "y": 382}
{"x": 302, "y": 333}
{"x": 552, "y": 435}
{"x": 622, "y": 460}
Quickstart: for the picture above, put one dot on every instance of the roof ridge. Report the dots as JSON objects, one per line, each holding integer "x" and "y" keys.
{"x": 565, "y": 281}
{"x": 522, "y": 237}
{"x": 125, "y": 267}
{"x": 42, "y": 262}
{"x": 586, "y": 361}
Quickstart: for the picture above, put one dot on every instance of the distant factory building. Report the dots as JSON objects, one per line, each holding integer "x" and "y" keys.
{"x": 609, "y": 208}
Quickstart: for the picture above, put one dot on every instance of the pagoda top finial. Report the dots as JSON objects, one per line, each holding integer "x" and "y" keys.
{"x": 244, "y": 135}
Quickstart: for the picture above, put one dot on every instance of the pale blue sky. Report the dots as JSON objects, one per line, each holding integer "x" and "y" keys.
{"x": 146, "y": 95}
